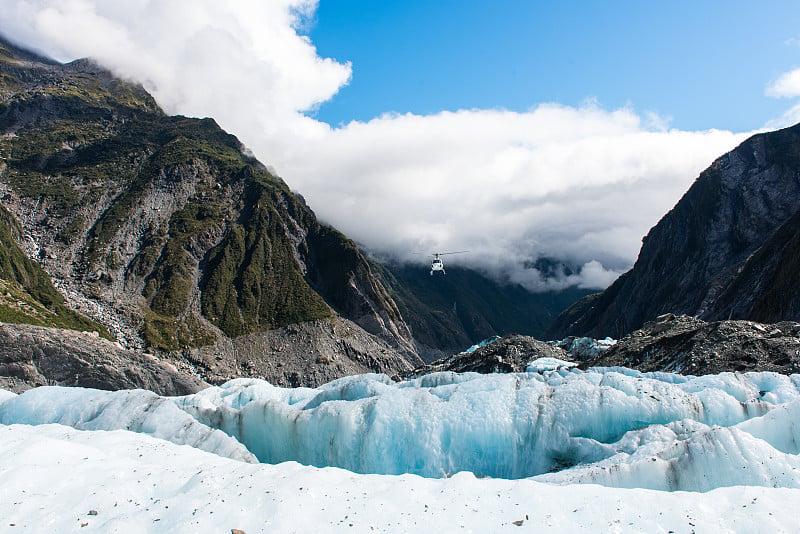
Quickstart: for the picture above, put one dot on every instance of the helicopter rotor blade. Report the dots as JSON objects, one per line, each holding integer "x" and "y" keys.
{"x": 446, "y": 253}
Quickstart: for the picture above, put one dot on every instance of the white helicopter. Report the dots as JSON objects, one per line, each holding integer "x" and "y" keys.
{"x": 437, "y": 264}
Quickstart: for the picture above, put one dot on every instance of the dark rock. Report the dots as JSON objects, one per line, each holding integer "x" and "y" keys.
{"x": 730, "y": 249}
{"x": 447, "y": 313}
{"x": 33, "y": 356}
{"x": 688, "y": 345}
{"x": 509, "y": 354}
{"x": 304, "y": 354}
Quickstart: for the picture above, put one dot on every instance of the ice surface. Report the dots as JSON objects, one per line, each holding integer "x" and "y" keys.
{"x": 56, "y": 479}
{"x": 6, "y": 395}
{"x": 585, "y": 348}
{"x": 540, "y": 365}
{"x": 610, "y": 426}
{"x": 594, "y": 446}
{"x": 133, "y": 410}
{"x": 658, "y": 429}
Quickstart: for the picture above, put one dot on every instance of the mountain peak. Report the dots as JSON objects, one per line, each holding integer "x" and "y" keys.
{"x": 162, "y": 227}
{"x": 726, "y": 245}
{"x": 11, "y": 53}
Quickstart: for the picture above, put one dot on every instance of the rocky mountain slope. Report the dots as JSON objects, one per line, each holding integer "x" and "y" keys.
{"x": 162, "y": 227}
{"x": 27, "y": 294}
{"x": 727, "y": 250}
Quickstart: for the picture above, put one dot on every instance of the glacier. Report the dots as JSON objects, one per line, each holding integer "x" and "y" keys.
{"x": 552, "y": 449}
{"x": 132, "y": 410}
{"x": 556, "y": 424}
{"x": 57, "y": 479}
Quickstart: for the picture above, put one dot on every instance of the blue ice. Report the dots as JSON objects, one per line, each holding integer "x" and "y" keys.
{"x": 609, "y": 426}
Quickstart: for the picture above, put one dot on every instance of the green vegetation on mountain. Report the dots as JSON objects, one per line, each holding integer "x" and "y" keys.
{"x": 165, "y": 218}
{"x": 254, "y": 280}
{"x": 27, "y": 294}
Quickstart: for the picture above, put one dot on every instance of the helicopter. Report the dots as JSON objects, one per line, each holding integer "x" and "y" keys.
{"x": 437, "y": 264}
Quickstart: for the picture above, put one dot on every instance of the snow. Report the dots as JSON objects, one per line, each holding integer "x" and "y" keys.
{"x": 54, "y": 476}
{"x": 480, "y": 344}
{"x": 132, "y": 410}
{"x": 560, "y": 448}
{"x": 540, "y": 365}
{"x": 584, "y": 348}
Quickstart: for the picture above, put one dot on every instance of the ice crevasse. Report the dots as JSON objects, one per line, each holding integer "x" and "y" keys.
{"x": 610, "y": 426}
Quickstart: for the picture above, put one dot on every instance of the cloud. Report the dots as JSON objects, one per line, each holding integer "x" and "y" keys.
{"x": 240, "y": 61}
{"x": 789, "y": 117}
{"x": 786, "y": 86}
{"x": 577, "y": 185}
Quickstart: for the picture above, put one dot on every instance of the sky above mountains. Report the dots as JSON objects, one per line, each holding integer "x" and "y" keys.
{"x": 697, "y": 65}
{"x": 514, "y": 130}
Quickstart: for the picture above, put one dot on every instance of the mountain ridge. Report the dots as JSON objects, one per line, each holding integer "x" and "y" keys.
{"x": 160, "y": 226}
{"x": 163, "y": 227}
{"x": 728, "y": 243}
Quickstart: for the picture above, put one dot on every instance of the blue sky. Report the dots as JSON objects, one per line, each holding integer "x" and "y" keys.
{"x": 700, "y": 64}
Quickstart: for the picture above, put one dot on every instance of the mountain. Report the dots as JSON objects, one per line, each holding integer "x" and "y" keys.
{"x": 164, "y": 229}
{"x": 729, "y": 249}
{"x": 448, "y": 313}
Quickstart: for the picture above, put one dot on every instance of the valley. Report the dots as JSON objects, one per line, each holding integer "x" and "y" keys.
{"x": 186, "y": 347}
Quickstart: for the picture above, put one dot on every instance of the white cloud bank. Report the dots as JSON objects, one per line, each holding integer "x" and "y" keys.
{"x": 239, "y": 61}
{"x": 580, "y": 185}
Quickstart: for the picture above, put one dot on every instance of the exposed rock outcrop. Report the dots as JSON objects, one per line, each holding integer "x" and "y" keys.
{"x": 33, "y": 356}
{"x": 27, "y": 294}
{"x": 304, "y": 354}
{"x": 509, "y": 354}
{"x": 687, "y": 345}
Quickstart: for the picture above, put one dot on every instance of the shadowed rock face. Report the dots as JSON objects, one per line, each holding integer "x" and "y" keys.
{"x": 687, "y": 345}
{"x": 447, "y": 313}
{"x": 728, "y": 250}
{"x": 33, "y": 356}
